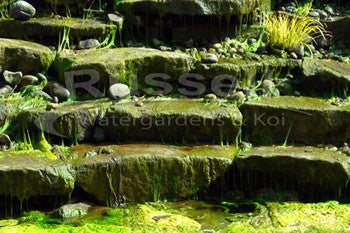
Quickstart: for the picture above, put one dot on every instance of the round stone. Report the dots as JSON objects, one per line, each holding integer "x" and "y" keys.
{"x": 88, "y": 44}
{"x": 41, "y": 94}
{"x": 59, "y": 91}
{"x": 209, "y": 58}
{"x": 118, "y": 91}
{"x": 267, "y": 84}
{"x": 28, "y": 80}
{"x": 22, "y": 10}
{"x": 42, "y": 78}
{"x": 12, "y": 78}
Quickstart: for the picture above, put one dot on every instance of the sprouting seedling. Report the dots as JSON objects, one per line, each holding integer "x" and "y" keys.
{"x": 63, "y": 42}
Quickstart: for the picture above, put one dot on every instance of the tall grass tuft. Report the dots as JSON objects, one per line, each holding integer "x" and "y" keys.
{"x": 288, "y": 30}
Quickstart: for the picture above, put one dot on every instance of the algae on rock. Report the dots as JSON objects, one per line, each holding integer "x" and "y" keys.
{"x": 24, "y": 56}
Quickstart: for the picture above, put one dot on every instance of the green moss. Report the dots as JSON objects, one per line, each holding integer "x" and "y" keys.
{"x": 28, "y": 57}
{"x": 193, "y": 216}
{"x": 307, "y": 103}
{"x": 168, "y": 106}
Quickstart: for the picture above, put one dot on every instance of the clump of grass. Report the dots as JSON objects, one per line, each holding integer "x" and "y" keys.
{"x": 289, "y": 31}
{"x": 64, "y": 41}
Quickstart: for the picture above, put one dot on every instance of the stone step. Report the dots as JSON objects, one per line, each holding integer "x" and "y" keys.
{"x": 129, "y": 173}
{"x": 122, "y": 64}
{"x": 161, "y": 119}
{"x": 304, "y": 120}
{"x": 304, "y": 173}
{"x": 24, "y": 56}
{"x": 50, "y": 30}
{"x": 178, "y": 7}
{"x": 325, "y": 76}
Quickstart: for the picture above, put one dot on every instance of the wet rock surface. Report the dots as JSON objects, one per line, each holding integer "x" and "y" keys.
{"x": 296, "y": 119}
{"x": 25, "y": 56}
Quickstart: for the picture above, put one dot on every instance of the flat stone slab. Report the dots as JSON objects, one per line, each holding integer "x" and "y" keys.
{"x": 297, "y": 169}
{"x": 53, "y": 28}
{"x": 74, "y": 121}
{"x": 338, "y": 28}
{"x": 174, "y": 121}
{"x": 123, "y": 64}
{"x": 144, "y": 172}
{"x": 245, "y": 70}
{"x": 192, "y": 7}
{"x": 304, "y": 120}
{"x": 160, "y": 120}
{"x": 28, "y": 57}
{"x": 27, "y": 174}
{"x": 131, "y": 173}
{"x": 321, "y": 74}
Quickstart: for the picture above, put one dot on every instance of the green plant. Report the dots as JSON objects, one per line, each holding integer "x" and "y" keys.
{"x": 63, "y": 42}
{"x": 303, "y": 10}
{"x": 4, "y": 9}
{"x": 109, "y": 40}
{"x": 289, "y": 31}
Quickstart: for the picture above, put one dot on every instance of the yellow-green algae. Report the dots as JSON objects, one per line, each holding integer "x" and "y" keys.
{"x": 126, "y": 150}
{"x": 193, "y": 216}
{"x": 307, "y": 103}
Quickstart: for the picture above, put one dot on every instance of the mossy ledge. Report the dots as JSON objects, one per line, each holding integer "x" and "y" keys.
{"x": 303, "y": 120}
{"x": 159, "y": 120}
{"x": 132, "y": 173}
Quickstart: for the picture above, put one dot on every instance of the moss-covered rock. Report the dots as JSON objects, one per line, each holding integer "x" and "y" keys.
{"x": 161, "y": 120}
{"x": 303, "y": 120}
{"x": 174, "y": 121}
{"x": 326, "y": 75}
{"x": 74, "y": 121}
{"x": 10, "y": 108}
{"x": 245, "y": 70}
{"x": 29, "y": 174}
{"x": 190, "y": 217}
{"x": 28, "y": 57}
{"x": 201, "y": 7}
{"x": 138, "y": 173}
{"x": 338, "y": 28}
{"x": 295, "y": 217}
{"x": 52, "y": 29}
{"x": 304, "y": 170}
{"x": 123, "y": 64}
